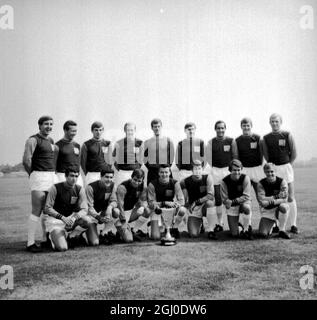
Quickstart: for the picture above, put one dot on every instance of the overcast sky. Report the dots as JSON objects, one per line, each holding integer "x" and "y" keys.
{"x": 179, "y": 60}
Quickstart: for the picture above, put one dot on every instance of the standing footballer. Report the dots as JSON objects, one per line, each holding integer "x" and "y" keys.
{"x": 127, "y": 154}
{"x": 157, "y": 150}
{"x": 279, "y": 148}
{"x": 39, "y": 163}
{"x": 189, "y": 150}
{"x": 96, "y": 154}
{"x": 68, "y": 152}
{"x": 219, "y": 152}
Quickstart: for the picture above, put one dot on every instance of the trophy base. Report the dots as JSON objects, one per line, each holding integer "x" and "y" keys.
{"x": 168, "y": 242}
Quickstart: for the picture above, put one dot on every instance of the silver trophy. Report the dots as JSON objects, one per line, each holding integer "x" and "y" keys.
{"x": 168, "y": 220}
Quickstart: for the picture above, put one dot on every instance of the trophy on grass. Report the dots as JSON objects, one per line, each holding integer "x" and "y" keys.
{"x": 168, "y": 219}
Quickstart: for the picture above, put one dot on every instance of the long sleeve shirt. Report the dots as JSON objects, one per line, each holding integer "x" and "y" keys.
{"x": 246, "y": 193}
{"x": 158, "y": 150}
{"x": 178, "y": 197}
{"x": 30, "y": 146}
{"x": 208, "y": 196}
{"x": 91, "y": 202}
{"x": 128, "y": 154}
{"x": 209, "y": 152}
{"x": 50, "y": 202}
{"x": 292, "y": 147}
{"x": 121, "y": 194}
{"x": 281, "y": 199}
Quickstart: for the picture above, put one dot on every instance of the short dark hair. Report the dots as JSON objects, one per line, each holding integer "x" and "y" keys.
{"x": 269, "y": 165}
{"x": 96, "y": 124}
{"x": 246, "y": 120}
{"x": 69, "y": 123}
{"x": 43, "y": 119}
{"x": 163, "y": 166}
{"x": 138, "y": 173}
{"x": 156, "y": 121}
{"x": 189, "y": 124}
{"x": 129, "y": 124}
{"x": 106, "y": 170}
{"x": 74, "y": 169}
{"x": 220, "y": 121}
{"x": 236, "y": 163}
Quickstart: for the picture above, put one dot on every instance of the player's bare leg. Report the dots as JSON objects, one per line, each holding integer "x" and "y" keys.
{"x": 194, "y": 225}
{"x": 265, "y": 227}
{"x": 233, "y": 222}
{"x": 293, "y": 208}
{"x": 38, "y": 201}
{"x": 58, "y": 237}
{"x": 219, "y": 208}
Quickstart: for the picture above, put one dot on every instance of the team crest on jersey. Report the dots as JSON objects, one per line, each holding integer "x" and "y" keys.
{"x": 73, "y": 200}
{"x": 196, "y": 148}
{"x": 107, "y": 195}
{"x": 253, "y": 145}
{"x": 136, "y": 150}
{"x": 281, "y": 142}
{"x": 202, "y": 189}
{"x": 168, "y": 193}
{"x": 226, "y": 148}
{"x": 76, "y": 150}
{"x": 104, "y": 149}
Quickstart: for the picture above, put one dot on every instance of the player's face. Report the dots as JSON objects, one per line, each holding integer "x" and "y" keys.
{"x": 270, "y": 175}
{"x": 164, "y": 174}
{"x": 72, "y": 177}
{"x": 220, "y": 130}
{"x": 275, "y": 124}
{"x": 46, "y": 127}
{"x": 235, "y": 173}
{"x": 136, "y": 182}
{"x": 97, "y": 132}
{"x": 190, "y": 132}
{"x": 246, "y": 128}
{"x": 130, "y": 131}
{"x": 71, "y": 132}
{"x": 197, "y": 172}
{"x": 107, "y": 179}
{"x": 156, "y": 128}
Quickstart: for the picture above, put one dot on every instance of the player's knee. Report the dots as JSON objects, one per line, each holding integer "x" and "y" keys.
{"x": 85, "y": 222}
{"x": 262, "y": 234}
{"x": 94, "y": 242}
{"x": 128, "y": 238}
{"x": 61, "y": 247}
{"x": 147, "y": 212}
{"x": 209, "y": 203}
{"x": 194, "y": 233}
{"x": 115, "y": 213}
{"x": 290, "y": 198}
{"x": 245, "y": 208}
{"x": 283, "y": 208}
{"x": 182, "y": 211}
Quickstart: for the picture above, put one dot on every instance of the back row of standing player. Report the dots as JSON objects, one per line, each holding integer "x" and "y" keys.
{"x": 42, "y": 158}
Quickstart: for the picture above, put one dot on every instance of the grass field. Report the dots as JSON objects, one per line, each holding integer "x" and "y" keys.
{"x": 193, "y": 269}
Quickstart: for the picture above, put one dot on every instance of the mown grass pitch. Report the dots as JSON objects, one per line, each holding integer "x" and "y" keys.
{"x": 193, "y": 269}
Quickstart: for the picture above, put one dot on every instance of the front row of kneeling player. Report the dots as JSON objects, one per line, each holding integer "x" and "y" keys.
{"x": 73, "y": 214}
